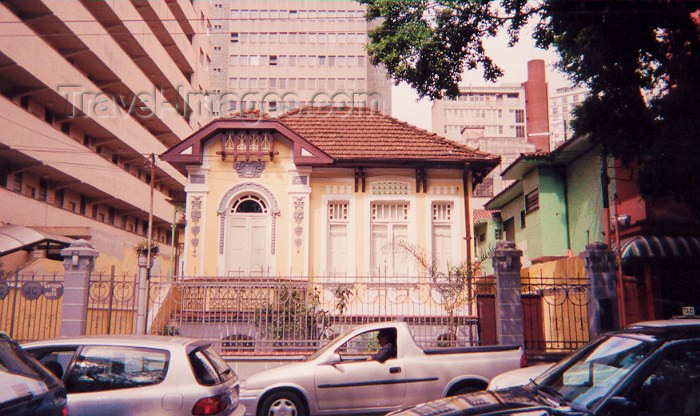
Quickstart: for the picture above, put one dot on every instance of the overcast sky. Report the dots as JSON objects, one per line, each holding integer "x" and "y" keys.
{"x": 513, "y": 61}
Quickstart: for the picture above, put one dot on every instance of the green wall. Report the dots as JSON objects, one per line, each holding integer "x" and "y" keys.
{"x": 552, "y": 212}
{"x": 585, "y": 201}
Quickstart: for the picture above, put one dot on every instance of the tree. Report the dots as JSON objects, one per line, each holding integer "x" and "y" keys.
{"x": 456, "y": 284}
{"x": 640, "y": 60}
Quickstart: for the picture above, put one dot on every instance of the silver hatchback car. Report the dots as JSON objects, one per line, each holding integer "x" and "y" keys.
{"x": 145, "y": 375}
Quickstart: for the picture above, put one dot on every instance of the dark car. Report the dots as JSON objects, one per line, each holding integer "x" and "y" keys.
{"x": 650, "y": 368}
{"x": 26, "y": 387}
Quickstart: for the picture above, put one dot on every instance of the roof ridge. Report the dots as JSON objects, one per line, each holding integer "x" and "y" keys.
{"x": 441, "y": 139}
{"x": 359, "y": 110}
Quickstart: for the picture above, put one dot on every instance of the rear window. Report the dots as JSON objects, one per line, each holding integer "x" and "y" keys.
{"x": 100, "y": 368}
{"x": 209, "y": 368}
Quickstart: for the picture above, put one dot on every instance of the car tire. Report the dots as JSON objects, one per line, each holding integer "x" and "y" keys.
{"x": 283, "y": 403}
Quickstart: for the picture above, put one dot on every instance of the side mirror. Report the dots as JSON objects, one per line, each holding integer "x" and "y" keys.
{"x": 333, "y": 359}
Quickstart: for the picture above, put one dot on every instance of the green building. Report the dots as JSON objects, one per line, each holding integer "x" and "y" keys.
{"x": 554, "y": 207}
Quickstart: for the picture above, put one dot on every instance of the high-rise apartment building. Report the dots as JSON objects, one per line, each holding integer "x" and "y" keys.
{"x": 561, "y": 106}
{"x": 280, "y": 52}
{"x": 88, "y": 91}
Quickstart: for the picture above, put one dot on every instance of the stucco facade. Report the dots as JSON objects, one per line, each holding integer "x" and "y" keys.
{"x": 300, "y": 211}
{"x": 554, "y": 206}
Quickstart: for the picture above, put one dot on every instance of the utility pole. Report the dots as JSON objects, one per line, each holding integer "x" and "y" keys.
{"x": 152, "y": 162}
{"x": 618, "y": 257}
{"x": 604, "y": 183}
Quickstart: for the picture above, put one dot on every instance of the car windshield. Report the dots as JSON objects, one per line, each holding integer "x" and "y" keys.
{"x": 329, "y": 343}
{"x": 589, "y": 376}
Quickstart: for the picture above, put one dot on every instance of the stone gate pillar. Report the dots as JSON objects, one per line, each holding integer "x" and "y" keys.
{"x": 509, "y": 307}
{"x": 78, "y": 261}
{"x": 601, "y": 273}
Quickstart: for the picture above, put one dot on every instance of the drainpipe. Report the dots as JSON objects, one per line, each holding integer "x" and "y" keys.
{"x": 467, "y": 213}
{"x": 566, "y": 207}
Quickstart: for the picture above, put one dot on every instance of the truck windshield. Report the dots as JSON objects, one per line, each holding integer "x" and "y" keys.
{"x": 329, "y": 344}
{"x": 585, "y": 379}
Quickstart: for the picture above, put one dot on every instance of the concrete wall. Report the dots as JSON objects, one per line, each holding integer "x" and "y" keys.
{"x": 116, "y": 246}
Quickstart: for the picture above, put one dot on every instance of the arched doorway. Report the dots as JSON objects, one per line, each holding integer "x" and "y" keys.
{"x": 247, "y": 237}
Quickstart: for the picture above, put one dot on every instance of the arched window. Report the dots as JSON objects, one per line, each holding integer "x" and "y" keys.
{"x": 249, "y": 204}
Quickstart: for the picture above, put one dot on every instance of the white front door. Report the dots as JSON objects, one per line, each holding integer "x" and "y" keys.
{"x": 247, "y": 240}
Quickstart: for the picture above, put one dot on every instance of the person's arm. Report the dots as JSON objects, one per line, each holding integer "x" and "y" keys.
{"x": 384, "y": 353}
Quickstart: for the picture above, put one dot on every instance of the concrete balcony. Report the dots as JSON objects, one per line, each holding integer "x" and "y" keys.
{"x": 35, "y": 69}
{"x": 171, "y": 35}
{"x": 102, "y": 59}
{"x": 38, "y": 147}
{"x": 137, "y": 39}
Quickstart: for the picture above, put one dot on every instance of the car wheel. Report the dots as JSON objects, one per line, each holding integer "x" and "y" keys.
{"x": 283, "y": 403}
{"x": 464, "y": 390}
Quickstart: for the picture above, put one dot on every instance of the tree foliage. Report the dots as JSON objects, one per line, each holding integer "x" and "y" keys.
{"x": 640, "y": 60}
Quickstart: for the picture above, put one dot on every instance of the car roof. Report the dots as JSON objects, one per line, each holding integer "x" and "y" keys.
{"x": 669, "y": 328}
{"x": 153, "y": 341}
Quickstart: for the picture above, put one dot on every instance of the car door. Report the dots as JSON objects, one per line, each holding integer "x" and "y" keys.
{"x": 116, "y": 380}
{"x": 358, "y": 382}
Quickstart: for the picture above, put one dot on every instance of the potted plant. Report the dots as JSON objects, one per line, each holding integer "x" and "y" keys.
{"x": 142, "y": 251}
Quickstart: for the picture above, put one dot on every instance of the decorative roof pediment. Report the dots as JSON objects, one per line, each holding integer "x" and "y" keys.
{"x": 244, "y": 140}
{"x": 335, "y": 136}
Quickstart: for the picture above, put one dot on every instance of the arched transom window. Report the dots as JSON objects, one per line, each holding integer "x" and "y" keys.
{"x": 249, "y": 204}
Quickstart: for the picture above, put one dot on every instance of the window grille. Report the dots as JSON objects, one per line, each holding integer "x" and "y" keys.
{"x": 442, "y": 212}
{"x": 338, "y": 211}
{"x": 389, "y": 211}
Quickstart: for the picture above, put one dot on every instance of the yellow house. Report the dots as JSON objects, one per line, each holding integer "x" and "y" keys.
{"x": 323, "y": 193}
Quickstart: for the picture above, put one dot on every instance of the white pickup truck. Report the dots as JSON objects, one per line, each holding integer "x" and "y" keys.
{"x": 342, "y": 378}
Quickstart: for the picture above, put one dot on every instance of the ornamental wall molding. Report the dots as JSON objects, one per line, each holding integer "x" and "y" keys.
{"x": 298, "y": 219}
{"x": 249, "y": 169}
{"x": 195, "y": 216}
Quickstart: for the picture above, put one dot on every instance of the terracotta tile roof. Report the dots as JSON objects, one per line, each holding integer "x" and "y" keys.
{"x": 483, "y": 214}
{"x": 347, "y": 134}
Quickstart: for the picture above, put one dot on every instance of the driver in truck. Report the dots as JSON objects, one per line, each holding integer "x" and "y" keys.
{"x": 387, "y": 341}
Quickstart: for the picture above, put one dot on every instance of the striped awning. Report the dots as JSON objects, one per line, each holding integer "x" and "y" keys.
{"x": 646, "y": 247}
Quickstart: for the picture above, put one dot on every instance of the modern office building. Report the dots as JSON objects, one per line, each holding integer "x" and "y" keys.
{"x": 506, "y": 119}
{"x": 88, "y": 92}
{"x": 280, "y": 52}
{"x": 561, "y": 106}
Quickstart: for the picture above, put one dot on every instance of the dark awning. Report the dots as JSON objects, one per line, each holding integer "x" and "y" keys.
{"x": 16, "y": 237}
{"x": 647, "y": 247}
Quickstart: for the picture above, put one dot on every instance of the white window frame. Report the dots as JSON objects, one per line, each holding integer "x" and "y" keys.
{"x": 345, "y": 206}
{"x": 349, "y": 198}
{"x": 410, "y": 199}
{"x": 441, "y": 264}
{"x": 447, "y": 192}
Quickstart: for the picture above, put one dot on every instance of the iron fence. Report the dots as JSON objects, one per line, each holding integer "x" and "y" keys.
{"x": 112, "y": 302}
{"x": 30, "y": 305}
{"x": 292, "y": 315}
{"x": 286, "y": 315}
{"x": 555, "y": 317}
